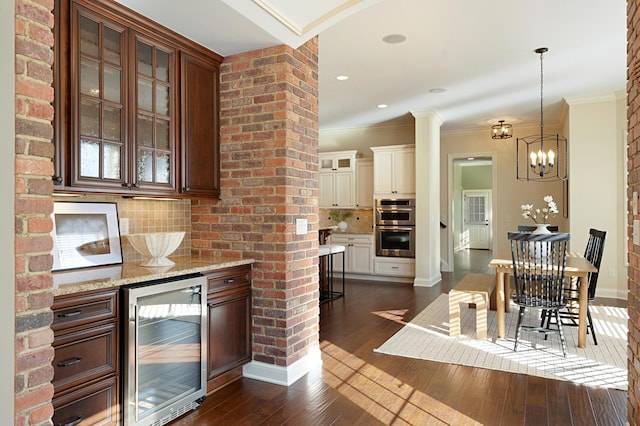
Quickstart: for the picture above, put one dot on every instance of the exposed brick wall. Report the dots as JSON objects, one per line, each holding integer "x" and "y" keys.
{"x": 633, "y": 114}
{"x": 269, "y": 172}
{"x": 33, "y": 205}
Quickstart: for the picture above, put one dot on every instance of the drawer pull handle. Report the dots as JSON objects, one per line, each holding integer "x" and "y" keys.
{"x": 73, "y": 422}
{"x": 69, "y": 314}
{"x": 69, "y": 362}
{"x": 230, "y": 281}
{"x": 395, "y": 267}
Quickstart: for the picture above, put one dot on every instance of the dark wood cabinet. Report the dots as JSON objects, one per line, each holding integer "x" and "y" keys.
{"x": 136, "y": 105}
{"x": 86, "y": 360}
{"x": 229, "y": 319}
{"x": 199, "y": 123}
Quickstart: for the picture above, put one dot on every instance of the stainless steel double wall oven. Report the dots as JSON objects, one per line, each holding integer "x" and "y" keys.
{"x": 395, "y": 227}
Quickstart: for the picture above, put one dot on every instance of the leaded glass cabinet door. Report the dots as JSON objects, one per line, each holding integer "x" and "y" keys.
{"x": 154, "y": 147}
{"x": 98, "y": 101}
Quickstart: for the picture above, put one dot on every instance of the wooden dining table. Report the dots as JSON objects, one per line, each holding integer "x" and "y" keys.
{"x": 576, "y": 266}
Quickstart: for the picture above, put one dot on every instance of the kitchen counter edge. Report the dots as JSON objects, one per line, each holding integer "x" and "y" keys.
{"x": 100, "y": 278}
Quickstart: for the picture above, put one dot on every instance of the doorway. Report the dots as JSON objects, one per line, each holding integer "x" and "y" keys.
{"x": 469, "y": 223}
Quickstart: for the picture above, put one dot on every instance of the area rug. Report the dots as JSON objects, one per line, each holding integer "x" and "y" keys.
{"x": 604, "y": 365}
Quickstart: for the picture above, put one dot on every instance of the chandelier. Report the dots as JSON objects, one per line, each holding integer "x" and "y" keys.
{"x": 501, "y": 130}
{"x": 541, "y": 157}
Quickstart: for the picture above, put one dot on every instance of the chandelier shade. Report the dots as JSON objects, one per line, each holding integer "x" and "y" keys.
{"x": 542, "y": 157}
{"x": 501, "y": 130}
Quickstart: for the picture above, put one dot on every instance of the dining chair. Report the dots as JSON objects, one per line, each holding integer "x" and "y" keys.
{"x": 569, "y": 315}
{"x": 539, "y": 278}
{"x": 531, "y": 228}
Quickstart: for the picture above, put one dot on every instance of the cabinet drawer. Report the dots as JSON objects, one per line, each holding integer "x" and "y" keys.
{"x": 96, "y": 404}
{"x": 84, "y": 355}
{"x": 78, "y": 309}
{"x": 228, "y": 279}
{"x": 397, "y": 268}
{"x": 352, "y": 239}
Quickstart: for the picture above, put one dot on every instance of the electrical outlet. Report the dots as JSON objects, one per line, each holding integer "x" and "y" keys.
{"x": 301, "y": 226}
{"x": 634, "y": 202}
{"x": 124, "y": 226}
{"x": 636, "y": 232}
{"x": 612, "y": 272}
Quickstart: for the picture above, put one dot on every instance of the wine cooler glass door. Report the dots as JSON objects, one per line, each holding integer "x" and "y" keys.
{"x": 165, "y": 347}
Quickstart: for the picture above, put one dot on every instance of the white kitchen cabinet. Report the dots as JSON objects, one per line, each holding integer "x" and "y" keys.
{"x": 337, "y": 179}
{"x": 337, "y": 161}
{"x": 337, "y": 190}
{"x": 394, "y": 266}
{"x": 358, "y": 256}
{"x": 394, "y": 170}
{"x": 364, "y": 183}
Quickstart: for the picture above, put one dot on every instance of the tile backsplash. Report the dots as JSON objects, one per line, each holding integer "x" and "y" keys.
{"x": 361, "y": 222}
{"x": 145, "y": 216}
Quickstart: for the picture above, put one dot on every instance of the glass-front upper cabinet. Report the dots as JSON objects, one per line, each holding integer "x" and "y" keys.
{"x": 154, "y": 140}
{"x": 123, "y": 103}
{"x": 99, "y": 105}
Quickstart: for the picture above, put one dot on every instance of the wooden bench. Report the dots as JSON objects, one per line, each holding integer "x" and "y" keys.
{"x": 473, "y": 288}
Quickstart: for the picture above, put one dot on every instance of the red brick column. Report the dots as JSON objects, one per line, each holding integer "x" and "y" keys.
{"x": 633, "y": 114}
{"x": 269, "y": 172}
{"x": 33, "y": 205}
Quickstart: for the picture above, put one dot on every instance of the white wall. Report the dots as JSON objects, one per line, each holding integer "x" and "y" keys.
{"x": 7, "y": 221}
{"x": 361, "y": 138}
{"x": 596, "y": 185}
{"x": 508, "y": 192}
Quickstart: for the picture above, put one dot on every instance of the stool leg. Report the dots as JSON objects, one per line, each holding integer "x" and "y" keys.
{"x": 481, "y": 316}
{"x": 344, "y": 293}
{"x": 454, "y": 315}
{"x": 331, "y": 276}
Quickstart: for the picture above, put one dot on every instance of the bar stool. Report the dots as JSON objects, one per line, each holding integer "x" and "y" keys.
{"x": 326, "y": 253}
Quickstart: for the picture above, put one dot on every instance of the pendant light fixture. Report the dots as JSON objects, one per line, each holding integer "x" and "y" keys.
{"x": 501, "y": 130}
{"x": 541, "y": 157}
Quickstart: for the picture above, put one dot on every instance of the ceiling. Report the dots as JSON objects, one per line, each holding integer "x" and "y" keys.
{"x": 483, "y": 57}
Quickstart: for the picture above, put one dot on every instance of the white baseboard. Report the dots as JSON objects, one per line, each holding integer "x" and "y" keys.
{"x": 284, "y": 376}
{"x": 612, "y": 293}
{"x": 427, "y": 282}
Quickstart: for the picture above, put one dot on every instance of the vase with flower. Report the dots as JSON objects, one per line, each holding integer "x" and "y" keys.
{"x": 540, "y": 217}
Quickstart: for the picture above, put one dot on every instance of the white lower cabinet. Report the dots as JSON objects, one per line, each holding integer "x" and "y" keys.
{"x": 394, "y": 266}
{"x": 358, "y": 255}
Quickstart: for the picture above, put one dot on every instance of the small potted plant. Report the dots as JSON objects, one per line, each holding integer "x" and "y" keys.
{"x": 339, "y": 217}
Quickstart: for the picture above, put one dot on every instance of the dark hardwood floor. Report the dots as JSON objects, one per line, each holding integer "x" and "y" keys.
{"x": 356, "y": 386}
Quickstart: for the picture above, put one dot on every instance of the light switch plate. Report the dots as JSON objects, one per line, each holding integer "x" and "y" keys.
{"x": 301, "y": 226}
{"x": 124, "y": 226}
{"x": 636, "y": 232}
{"x": 634, "y": 202}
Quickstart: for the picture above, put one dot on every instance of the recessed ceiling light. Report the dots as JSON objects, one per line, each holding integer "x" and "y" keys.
{"x": 342, "y": 77}
{"x": 382, "y": 106}
{"x": 394, "y": 38}
{"x": 437, "y": 90}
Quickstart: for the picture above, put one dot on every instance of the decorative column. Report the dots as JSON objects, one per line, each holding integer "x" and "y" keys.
{"x": 269, "y": 178}
{"x": 427, "y": 141}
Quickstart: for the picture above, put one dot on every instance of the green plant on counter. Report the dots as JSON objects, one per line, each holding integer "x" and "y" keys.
{"x": 339, "y": 216}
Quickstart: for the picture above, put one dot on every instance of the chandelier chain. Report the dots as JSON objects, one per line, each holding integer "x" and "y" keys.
{"x": 541, "y": 94}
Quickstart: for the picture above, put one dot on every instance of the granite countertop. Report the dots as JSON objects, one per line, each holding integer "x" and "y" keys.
{"x": 69, "y": 282}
